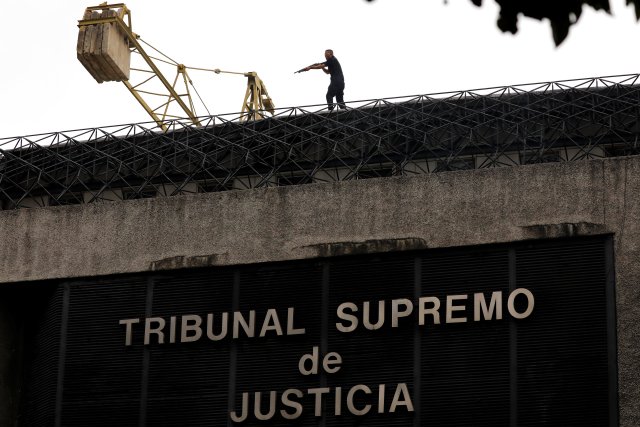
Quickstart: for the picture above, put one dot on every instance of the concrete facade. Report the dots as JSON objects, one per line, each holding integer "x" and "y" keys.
{"x": 274, "y": 224}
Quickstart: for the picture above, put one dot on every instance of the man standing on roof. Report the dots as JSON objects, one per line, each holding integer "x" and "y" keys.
{"x": 336, "y": 87}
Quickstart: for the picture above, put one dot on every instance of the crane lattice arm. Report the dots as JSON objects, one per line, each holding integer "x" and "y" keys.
{"x": 256, "y": 98}
{"x": 105, "y": 44}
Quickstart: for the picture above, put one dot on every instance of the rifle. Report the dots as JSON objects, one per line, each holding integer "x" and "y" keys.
{"x": 303, "y": 69}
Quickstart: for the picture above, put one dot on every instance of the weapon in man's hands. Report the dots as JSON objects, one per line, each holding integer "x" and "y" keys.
{"x": 301, "y": 70}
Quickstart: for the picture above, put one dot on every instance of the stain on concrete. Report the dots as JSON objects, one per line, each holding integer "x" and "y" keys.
{"x": 188, "y": 262}
{"x": 368, "y": 246}
{"x": 564, "y": 229}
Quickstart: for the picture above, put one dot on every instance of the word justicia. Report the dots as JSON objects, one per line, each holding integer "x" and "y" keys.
{"x": 371, "y": 315}
{"x": 357, "y": 400}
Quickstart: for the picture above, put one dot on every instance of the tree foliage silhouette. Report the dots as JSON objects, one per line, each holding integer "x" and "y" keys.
{"x": 562, "y": 14}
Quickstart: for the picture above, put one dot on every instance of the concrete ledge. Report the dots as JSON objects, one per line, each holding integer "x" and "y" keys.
{"x": 274, "y": 224}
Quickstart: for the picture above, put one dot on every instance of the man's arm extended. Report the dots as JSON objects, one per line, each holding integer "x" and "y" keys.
{"x": 318, "y": 66}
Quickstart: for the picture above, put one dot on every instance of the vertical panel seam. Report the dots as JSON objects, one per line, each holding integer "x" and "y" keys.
{"x": 62, "y": 353}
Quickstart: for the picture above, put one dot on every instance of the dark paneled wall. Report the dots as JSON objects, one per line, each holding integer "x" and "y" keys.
{"x": 552, "y": 368}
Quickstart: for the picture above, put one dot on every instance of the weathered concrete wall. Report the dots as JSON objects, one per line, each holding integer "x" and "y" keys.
{"x": 447, "y": 209}
{"x": 440, "y": 210}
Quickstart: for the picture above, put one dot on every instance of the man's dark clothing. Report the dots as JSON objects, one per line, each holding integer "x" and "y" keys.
{"x": 336, "y": 87}
{"x": 334, "y": 69}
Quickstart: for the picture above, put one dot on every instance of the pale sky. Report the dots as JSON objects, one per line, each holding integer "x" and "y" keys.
{"x": 387, "y": 48}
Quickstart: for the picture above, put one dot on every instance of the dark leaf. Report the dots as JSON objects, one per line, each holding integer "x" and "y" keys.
{"x": 560, "y": 31}
{"x": 636, "y": 4}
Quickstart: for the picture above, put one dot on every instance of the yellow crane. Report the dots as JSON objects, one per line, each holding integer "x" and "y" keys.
{"x": 105, "y": 46}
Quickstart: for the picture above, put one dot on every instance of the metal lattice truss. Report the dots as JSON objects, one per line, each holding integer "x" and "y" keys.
{"x": 506, "y": 126}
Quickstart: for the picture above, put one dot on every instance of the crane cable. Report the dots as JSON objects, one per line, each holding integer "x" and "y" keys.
{"x": 171, "y": 61}
{"x": 166, "y": 56}
{"x": 174, "y": 62}
{"x": 199, "y": 97}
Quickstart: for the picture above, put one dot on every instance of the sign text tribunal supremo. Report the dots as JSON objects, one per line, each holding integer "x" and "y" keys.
{"x": 350, "y": 317}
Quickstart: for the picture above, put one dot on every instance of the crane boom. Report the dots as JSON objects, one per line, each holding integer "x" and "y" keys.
{"x": 105, "y": 44}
